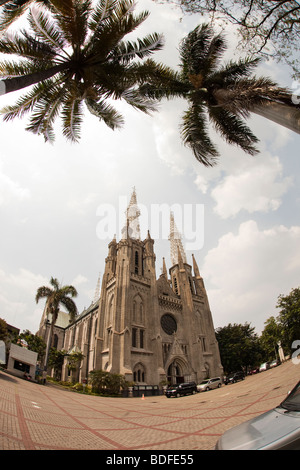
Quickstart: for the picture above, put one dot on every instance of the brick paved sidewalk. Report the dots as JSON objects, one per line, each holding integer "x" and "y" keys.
{"x": 37, "y": 417}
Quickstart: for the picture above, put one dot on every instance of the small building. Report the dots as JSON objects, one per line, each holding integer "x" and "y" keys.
{"x": 21, "y": 361}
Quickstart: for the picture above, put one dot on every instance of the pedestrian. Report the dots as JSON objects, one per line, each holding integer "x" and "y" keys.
{"x": 44, "y": 377}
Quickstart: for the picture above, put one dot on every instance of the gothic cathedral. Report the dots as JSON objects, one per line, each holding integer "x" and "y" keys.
{"x": 150, "y": 330}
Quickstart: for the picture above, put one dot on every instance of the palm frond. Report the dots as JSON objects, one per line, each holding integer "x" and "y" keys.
{"x": 138, "y": 101}
{"x": 72, "y": 117}
{"x": 19, "y": 68}
{"x": 46, "y": 29}
{"x": 72, "y": 18}
{"x": 126, "y": 51}
{"x": 68, "y": 290}
{"x": 45, "y": 111}
{"x": 43, "y": 291}
{"x": 234, "y": 70}
{"x": 201, "y": 51}
{"x": 26, "y": 102}
{"x": 113, "y": 28}
{"x": 55, "y": 283}
{"x": 70, "y": 306}
{"x": 11, "y": 11}
{"x": 105, "y": 112}
{"x": 26, "y": 46}
{"x": 100, "y": 13}
{"x": 194, "y": 135}
{"x": 233, "y": 129}
{"x": 158, "y": 81}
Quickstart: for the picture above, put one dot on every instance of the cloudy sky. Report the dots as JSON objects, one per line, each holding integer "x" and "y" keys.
{"x": 240, "y": 218}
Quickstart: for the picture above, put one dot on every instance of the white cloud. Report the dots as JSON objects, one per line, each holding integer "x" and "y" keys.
{"x": 11, "y": 190}
{"x": 17, "y": 299}
{"x": 255, "y": 187}
{"x": 247, "y": 271}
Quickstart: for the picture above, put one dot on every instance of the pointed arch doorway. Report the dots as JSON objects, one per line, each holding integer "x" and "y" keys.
{"x": 175, "y": 372}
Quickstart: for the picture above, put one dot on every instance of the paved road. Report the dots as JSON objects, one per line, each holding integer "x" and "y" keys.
{"x": 37, "y": 417}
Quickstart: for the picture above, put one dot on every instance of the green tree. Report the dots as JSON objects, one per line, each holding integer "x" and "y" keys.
{"x": 270, "y": 336}
{"x": 56, "y": 296}
{"x": 223, "y": 94}
{"x": 289, "y": 316}
{"x": 74, "y": 358}
{"x": 239, "y": 347}
{"x": 105, "y": 382}
{"x": 35, "y": 343}
{"x": 56, "y": 360}
{"x": 3, "y": 330}
{"x": 74, "y": 54}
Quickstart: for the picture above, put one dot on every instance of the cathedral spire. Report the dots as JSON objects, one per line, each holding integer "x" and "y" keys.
{"x": 164, "y": 269}
{"x": 97, "y": 290}
{"x": 196, "y": 269}
{"x": 175, "y": 242}
{"x": 132, "y": 223}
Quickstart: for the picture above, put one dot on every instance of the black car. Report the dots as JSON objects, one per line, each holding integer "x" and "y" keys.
{"x": 234, "y": 377}
{"x": 181, "y": 389}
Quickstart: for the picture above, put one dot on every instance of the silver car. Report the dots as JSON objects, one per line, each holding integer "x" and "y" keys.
{"x": 209, "y": 384}
{"x": 277, "y": 429}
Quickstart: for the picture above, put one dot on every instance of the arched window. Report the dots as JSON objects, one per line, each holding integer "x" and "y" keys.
{"x": 138, "y": 310}
{"x": 136, "y": 262}
{"x": 134, "y": 337}
{"x": 141, "y": 313}
{"x": 139, "y": 374}
{"x": 175, "y": 285}
{"x": 110, "y": 311}
{"x": 134, "y": 311}
{"x": 55, "y": 341}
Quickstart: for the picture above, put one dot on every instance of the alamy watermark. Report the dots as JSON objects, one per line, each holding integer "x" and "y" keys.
{"x": 296, "y": 354}
{"x": 189, "y": 220}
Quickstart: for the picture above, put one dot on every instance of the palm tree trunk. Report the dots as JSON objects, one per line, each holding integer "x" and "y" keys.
{"x": 17, "y": 83}
{"x": 287, "y": 116}
{"x": 49, "y": 341}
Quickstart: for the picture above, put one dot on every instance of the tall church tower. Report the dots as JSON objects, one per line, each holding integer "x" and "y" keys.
{"x": 128, "y": 339}
{"x": 151, "y": 329}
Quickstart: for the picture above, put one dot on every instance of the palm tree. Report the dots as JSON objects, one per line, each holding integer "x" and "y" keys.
{"x": 221, "y": 94}
{"x": 74, "y": 54}
{"x": 56, "y": 296}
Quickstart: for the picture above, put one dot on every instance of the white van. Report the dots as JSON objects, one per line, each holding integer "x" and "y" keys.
{"x": 209, "y": 384}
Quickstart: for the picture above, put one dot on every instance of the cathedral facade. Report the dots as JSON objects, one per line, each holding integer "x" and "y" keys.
{"x": 149, "y": 329}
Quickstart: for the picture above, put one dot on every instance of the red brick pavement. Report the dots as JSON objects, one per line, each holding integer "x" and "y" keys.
{"x": 37, "y": 417}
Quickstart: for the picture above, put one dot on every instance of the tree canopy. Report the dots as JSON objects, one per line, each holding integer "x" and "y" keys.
{"x": 270, "y": 28}
{"x": 239, "y": 347}
{"x": 74, "y": 56}
{"x": 289, "y": 316}
{"x": 220, "y": 93}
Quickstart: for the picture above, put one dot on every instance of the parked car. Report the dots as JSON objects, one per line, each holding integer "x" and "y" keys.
{"x": 277, "y": 429}
{"x": 181, "y": 389}
{"x": 264, "y": 366}
{"x": 234, "y": 377}
{"x": 209, "y": 384}
{"x": 274, "y": 363}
